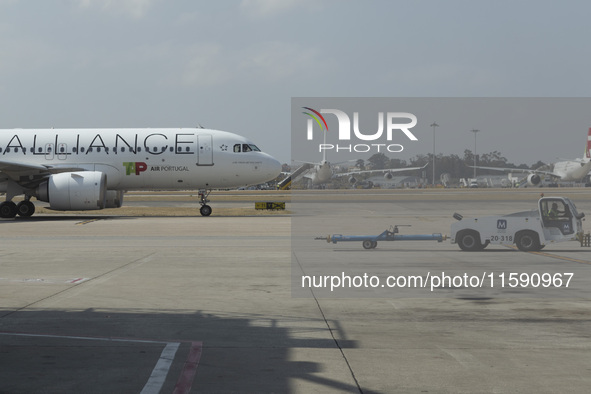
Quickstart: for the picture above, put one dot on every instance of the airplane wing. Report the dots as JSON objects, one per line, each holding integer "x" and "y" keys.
{"x": 382, "y": 171}
{"x": 16, "y": 170}
{"x": 523, "y": 170}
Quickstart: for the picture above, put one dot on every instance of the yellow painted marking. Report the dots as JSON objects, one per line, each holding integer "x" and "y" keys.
{"x": 88, "y": 221}
{"x": 555, "y": 256}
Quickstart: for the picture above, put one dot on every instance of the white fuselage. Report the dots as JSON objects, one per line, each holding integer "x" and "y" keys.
{"x": 572, "y": 170}
{"x": 142, "y": 159}
{"x": 322, "y": 173}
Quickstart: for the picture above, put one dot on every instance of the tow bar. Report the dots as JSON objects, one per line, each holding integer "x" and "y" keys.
{"x": 371, "y": 241}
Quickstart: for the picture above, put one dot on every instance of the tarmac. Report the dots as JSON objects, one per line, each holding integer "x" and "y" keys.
{"x": 157, "y": 304}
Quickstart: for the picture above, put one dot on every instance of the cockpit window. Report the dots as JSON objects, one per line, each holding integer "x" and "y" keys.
{"x": 246, "y": 148}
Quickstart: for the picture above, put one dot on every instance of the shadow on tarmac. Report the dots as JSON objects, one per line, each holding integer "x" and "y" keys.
{"x": 76, "y": 352}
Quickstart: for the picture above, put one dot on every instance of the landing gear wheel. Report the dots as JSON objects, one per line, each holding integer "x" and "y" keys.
{"x": 368, "y": 244}
{"x": 7, "y": 210}
{"x": 205, "y": 210}
{"x": 25, "y": 208}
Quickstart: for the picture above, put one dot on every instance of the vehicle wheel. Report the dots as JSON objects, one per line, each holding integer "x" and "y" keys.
{"x": 469, "y": 240}
{"x": 528, "y": 241}
{"x": 205, "y": 210}
{"x": 368, "y": 244}
{"x": 374, "y": 244}
{"x": 7, "y": 210}
{"x": 25, "y": 208}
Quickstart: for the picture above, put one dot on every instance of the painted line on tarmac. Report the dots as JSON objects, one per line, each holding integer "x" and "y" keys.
{"x": 554, "y": 256}
{"x": 185, "y": 381}
{"x": 160, "y": 371}
{"x": 74, "y": 281}
{"x": 88, "y": 221}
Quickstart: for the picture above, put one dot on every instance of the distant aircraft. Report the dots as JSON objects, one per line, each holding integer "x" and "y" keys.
{"x": 87, "y": 169}
{"x": 566, "y": 170}
{"x": 320, "y": 173}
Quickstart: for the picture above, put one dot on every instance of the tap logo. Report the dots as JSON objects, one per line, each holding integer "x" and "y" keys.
{"x": 392, "y": 122}
{"x": 135, "y": 167}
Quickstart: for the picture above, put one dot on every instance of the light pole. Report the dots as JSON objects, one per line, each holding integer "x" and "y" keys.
{"x": 474, "y": 131}
{"x": 434, "y": 124}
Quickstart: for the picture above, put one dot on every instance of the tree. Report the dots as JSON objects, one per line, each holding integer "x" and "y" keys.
{"x": 360, "y": 164}
{"x": 378, "y": 161}
{"x": 396, "y": 163}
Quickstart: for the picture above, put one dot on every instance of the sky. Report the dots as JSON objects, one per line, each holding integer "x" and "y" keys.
{"x": 236, "y": 65}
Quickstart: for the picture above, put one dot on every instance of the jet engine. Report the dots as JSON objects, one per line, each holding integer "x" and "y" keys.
{"x": 74, "y": 191}
{"x": 388, "y": 175}
{"x": 533, "y": 179}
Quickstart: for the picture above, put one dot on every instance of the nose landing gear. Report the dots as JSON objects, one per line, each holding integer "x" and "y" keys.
{"x": 203, "y": 200}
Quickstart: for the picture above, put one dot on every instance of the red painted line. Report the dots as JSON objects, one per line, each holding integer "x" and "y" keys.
{"x": 76, "y": 280}
{"x": 183, "y": 385}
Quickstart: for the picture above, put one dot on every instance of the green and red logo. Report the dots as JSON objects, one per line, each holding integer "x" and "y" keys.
{"x": 135, "y": 167}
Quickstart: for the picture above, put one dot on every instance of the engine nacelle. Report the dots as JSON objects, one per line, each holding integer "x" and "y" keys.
{"x": 388, "y": 175}
{"x": 74, "y": 191}
{"x": 533, "y": 179}
{"x": 352, "y": 180}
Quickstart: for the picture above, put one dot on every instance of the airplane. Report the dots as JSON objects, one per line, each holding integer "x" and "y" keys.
{"x": 88, "y": 169}
{"x": 320, "y": 173}
{"x": 323, "y": 172}
{"x": 566, "y": 170}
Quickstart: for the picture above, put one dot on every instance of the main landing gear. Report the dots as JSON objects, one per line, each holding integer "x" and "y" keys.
{"x": 205, "y": 209}
{"x": 9, "y": 210}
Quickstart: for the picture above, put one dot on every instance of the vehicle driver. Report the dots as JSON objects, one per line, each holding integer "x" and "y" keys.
{"x": 553, "y": 213}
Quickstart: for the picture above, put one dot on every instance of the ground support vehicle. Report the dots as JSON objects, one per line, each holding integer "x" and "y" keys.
{"x": 555, "y": 220}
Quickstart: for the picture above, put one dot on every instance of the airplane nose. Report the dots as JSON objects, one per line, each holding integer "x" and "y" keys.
{"x": 273, "y": 167}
